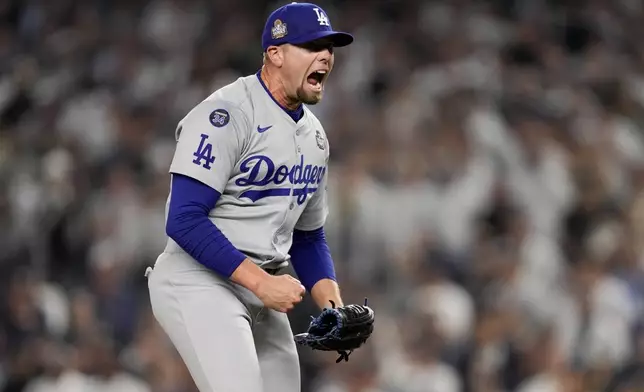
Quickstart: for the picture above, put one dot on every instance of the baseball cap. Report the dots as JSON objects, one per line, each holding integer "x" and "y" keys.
{"x": 299, "y": 23}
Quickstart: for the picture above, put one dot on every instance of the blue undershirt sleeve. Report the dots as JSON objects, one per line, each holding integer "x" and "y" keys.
{"x": 189, "y": 226}
{"x": 311, "y": 257}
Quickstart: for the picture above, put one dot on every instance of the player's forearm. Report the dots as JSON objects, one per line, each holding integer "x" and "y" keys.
{"x": 189, "y": 226}
{"x": 311, "y": 257}
{"x": 249, "y": 275}
{"x": 324, "y": 291}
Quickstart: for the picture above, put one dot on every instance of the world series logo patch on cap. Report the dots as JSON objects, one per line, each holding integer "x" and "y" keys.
{"x": 279, "y": 29}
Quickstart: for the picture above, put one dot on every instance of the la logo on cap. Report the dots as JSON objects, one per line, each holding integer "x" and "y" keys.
{"x": 279, "y": 29}
{"x": 322, "y": 18}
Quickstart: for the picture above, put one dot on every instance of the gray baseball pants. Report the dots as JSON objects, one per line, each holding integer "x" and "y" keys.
{"x": 228, "y": 340}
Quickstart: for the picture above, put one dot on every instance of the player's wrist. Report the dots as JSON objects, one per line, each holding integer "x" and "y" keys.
{"x": 324, "y": 291}
{"x": 249, "y": 275}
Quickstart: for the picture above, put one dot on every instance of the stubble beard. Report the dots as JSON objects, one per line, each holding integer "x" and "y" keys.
{"x": 308, "y": 98}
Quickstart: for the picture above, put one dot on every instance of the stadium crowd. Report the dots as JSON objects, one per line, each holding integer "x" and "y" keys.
{"x": 486, "y": 188}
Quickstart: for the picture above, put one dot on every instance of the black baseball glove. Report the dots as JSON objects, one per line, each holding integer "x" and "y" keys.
{"x": 342, "y": 329}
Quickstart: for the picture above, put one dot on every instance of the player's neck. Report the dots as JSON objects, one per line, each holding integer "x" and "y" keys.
{"x": 275, "y": 87}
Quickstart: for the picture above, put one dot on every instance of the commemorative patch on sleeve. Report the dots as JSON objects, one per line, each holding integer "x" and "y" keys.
{"x": 320, "y": 140}
{"x": 219, "y": 118}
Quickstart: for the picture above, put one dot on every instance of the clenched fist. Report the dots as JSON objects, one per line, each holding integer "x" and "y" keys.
{"x": 280, "y": 293}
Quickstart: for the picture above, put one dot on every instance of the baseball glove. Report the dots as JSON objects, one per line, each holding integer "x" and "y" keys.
{"x": 342, "y": 329}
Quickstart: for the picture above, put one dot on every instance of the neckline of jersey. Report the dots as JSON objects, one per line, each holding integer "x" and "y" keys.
{"x": 296, "y": 115}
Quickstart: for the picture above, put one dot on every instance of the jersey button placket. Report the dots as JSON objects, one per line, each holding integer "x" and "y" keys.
{"x": 298, "y": 153}
{"x": 298, "y": 150}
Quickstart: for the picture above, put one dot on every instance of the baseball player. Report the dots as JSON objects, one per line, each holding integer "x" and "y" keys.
{"x": 248, "y": 196}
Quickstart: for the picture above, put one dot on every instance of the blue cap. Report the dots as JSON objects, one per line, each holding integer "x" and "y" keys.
{"x": 299, "y": 23}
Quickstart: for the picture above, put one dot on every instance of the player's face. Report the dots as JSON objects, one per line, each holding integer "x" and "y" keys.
{"x": 308, "y": 66}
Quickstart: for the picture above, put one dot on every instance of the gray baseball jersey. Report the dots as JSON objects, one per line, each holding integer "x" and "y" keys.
{"x": 271, "y": 173}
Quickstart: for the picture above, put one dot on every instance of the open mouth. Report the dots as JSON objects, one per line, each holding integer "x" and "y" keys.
{"x": 316, "y": 78}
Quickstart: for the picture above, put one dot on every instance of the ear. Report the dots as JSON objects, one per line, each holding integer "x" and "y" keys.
{"x": 275, "y": 55}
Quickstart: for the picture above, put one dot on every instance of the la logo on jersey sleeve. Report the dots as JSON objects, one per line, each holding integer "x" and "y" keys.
{"x": 203, "y": 155}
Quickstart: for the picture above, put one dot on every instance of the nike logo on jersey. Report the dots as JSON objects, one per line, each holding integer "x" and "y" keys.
{"x": 261, "y": 171}
{"x": 262, "y": 130}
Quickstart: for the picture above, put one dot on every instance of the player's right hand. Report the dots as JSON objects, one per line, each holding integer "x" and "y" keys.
{"x": 280, "y": 292}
